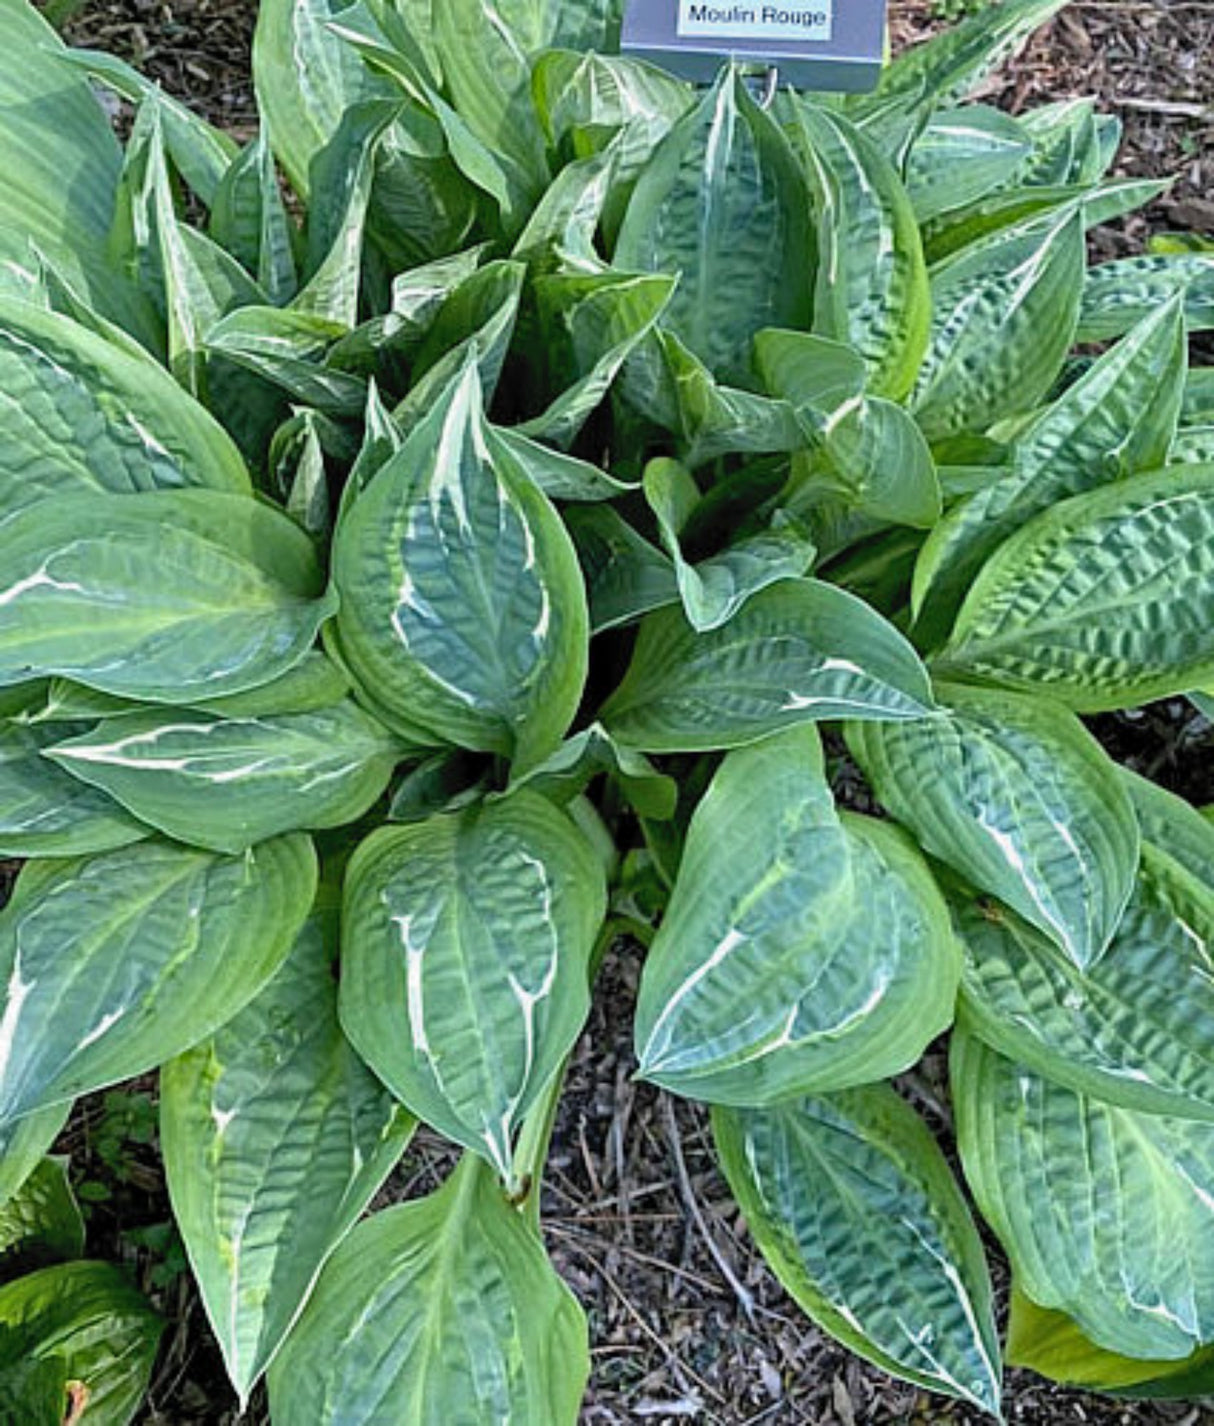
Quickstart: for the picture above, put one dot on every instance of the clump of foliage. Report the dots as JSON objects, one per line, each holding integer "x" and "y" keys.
{"x": 399, "y": 607}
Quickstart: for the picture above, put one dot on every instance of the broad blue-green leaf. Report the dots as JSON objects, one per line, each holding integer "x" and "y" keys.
{"x": 167, "y": 596}
{"x": 23, "y": 1142}
{"x": 306, "y": 78}
{"x": 1004, "y": 315}
{"x": 961, "y": 155}
{"x": 433, "y": 1313}
{"x": 626, "y": 576}
{"x": 722, "y": 204}
{"x": 854, "y": 1207}
{"x": 714, "y": 589}
{"x": 1197, "y": 404}
{"x": 1134, "y": 1029}
{"x": 276, "y": 1137}
{"x": 45, "y": 812}
{"x": 1118, "y": 295}
{"x": 1104, "y": 601}
{"x": 463, "y": 610}
{"x": 61, "y": 164}
{"x": 1090, "y": 1202}
{"x": 89, "y": 1316}
{"x": 800, "y": 952}
{"x": 872, "y": 288}
{"x": 313, "y": 683}
{"x": 81, "y": 415}
{"x": 42, "y": 1216}
{"x": 814, "y": 374}
{"x": 465, "y": 960}
{"x": 1017, "y": 796}
{"x": 1118, "y": 419}
{"x": 226, "y": 783}
{"x": 798, "y": 652}
{"x": 114, "y": 963}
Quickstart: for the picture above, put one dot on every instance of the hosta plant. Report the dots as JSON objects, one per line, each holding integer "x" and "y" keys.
{"x": 493, "y": 549}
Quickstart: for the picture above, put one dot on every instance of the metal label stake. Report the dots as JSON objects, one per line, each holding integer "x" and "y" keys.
{"x": 813, "y": 44}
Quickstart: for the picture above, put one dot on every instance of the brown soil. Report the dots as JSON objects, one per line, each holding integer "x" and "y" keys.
{"x": 687, "y": 1324}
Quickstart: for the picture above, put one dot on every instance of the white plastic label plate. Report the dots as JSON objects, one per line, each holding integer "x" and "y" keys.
{"x": 804, "y": 20}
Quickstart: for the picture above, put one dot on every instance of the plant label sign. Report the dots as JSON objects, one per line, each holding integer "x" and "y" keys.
{"x": 813, "y": 44}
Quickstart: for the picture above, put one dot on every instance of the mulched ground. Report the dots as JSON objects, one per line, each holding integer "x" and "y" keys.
{"x": 687, "y": 1324}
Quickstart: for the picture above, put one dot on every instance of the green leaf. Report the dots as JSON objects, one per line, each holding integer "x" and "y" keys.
{"x": 463, "y": 610}
{"x": 1172, "y": 826}
{"x": 249, "y": 219}
{"x": 565, "y": 774}
{"x": 23, "y": 1142}
{"x": 872, "y": 288}
{"x": 722, "y": 204}
{"x": 47, "y": 812}
{"x": 276, "y": 1137}
{"x": 83, "y": 415}
{"x": 956, "y": 61}
{"x": 1004, "y": 315}
{"x": 465, "y": 962}
{"x": 1104, "y": 601}
{"x": 800, "y": 952}
{"x": 61, "y": 163}
{"x": 798, "y": 652}
{"x": 42, "y": 1216}
{"x": 287, "y": 349}
{"x": 226, "y": 783}
{"x": 32, "y": 1391}
{"x": 306, "y": 79}
{"x": 1090, "y": 1202}
{"x": 115, "y": 963}
{"x": 853, "y": 1206}
{"x": 167, "y": 596}
{"x": 1194, "y": 445}
{"x": 1051, "y": 1344}
{"x": 1118, "y": 419}
{"x": 434, "y": 1312}
{"x": 713, "y": 590}
{"x": 90, "y": 1317}
{"x": 870, "y": 454}
{"x": 1020, "y": 799}
{"x": 1133, "y": 1030}
{"x": 1118, "y": 295}
{"x": 961, "y": 156}
{"x": 626, "y": 576}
